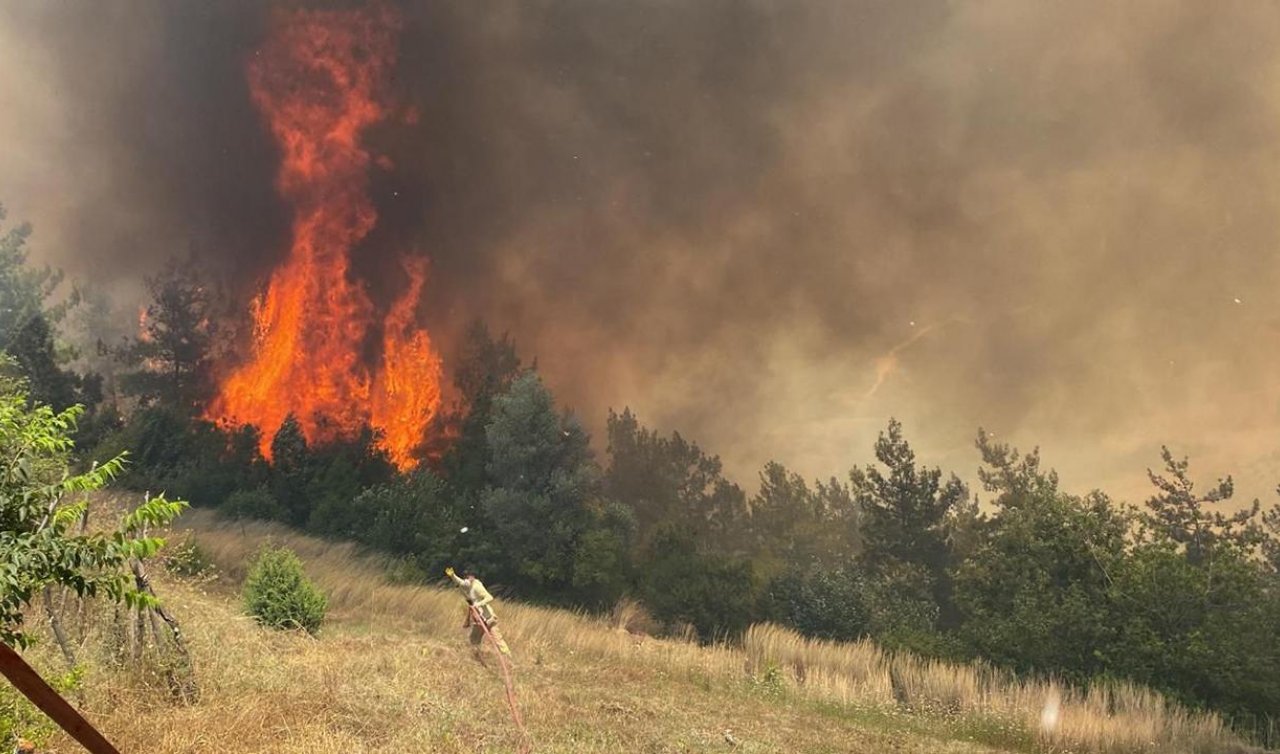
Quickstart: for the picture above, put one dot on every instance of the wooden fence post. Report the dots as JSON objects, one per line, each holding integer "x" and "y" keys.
{"x": 32, "y": 686}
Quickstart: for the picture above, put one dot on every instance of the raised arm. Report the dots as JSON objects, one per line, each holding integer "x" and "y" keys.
{"x": 450, "y": 573}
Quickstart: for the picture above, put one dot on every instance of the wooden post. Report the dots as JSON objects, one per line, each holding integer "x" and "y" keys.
{"x": 32, "y": 686}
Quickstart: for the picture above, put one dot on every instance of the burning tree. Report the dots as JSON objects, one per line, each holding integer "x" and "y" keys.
{"x": 320, "y": 82}
{"x": 173, "y": 350}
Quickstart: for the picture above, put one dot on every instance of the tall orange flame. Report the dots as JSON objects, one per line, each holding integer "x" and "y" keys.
{"x": 320, "y": 82}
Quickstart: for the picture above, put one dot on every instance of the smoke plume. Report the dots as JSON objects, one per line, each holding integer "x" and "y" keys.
{"x": 770, "y": 225}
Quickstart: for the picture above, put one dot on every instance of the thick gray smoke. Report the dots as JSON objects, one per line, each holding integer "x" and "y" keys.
{"x": 771, "y": 225}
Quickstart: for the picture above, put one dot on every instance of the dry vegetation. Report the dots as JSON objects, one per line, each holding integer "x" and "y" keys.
{"x": 391, "y": 672}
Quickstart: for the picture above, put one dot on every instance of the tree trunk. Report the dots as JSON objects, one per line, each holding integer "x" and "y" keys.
{"x": 185, "y": 688}
{"x": 139, "y": 635}
{"x": 56, "y": 624}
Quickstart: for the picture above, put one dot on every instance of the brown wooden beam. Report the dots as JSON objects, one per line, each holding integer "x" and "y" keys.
{"x": 32, "y": 686}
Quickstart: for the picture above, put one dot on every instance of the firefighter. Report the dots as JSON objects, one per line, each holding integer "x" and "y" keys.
{"x": 479, "y": 603}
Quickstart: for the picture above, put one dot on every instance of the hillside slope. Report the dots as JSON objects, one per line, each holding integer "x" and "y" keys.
{"x": 392, "y": 672}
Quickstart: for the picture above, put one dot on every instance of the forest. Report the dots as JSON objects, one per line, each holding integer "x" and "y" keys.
{"x": 1179, "y": 592}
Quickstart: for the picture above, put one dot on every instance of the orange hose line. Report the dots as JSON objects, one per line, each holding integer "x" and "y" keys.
{"x": 526, "y": 744}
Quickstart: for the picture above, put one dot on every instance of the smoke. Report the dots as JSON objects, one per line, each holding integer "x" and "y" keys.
{"x": 771, "y": 225}
{"x": 129, "y": 138}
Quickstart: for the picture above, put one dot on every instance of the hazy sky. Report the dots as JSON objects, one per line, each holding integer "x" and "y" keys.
{"x": 770, "y": 225}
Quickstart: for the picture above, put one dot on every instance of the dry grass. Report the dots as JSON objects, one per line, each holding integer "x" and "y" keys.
{"x": 392, "y": 672}
{"x": 1118, "y": 718}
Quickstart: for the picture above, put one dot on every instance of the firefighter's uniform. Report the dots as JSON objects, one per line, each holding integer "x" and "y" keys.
{"x": 479, "y": 598}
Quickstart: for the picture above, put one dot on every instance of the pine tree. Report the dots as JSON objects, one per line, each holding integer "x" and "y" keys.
{"x": 908, "y": 513}
{"x": 174, "y": 349}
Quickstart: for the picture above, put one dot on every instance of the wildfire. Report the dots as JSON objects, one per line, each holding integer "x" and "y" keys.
{"x": 320, "y": 82}
{"x": 144, "y": 322}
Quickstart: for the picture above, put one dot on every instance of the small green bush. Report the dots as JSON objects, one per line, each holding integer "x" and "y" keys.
{"x": 280, "y": 595}
{"x": 255, "y": 503}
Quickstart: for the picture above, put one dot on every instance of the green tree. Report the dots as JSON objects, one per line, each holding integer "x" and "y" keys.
{"x": 784, "y": 516}
{"x": 895, "y": 605}
{"x": 1035, "y": 594}
{"x": 1203, "y": 635}
{"x": 908, "y": 516}
{"x": 333, "y": 474}
{"x": 486, "y": 368}
{"x": 278, "y": 593}
{"x": 602, "y": 562}
{"x": 33, "y": 351}
{"x": 795, "y": 527}
{"x": 544, "y": 503}
{"x": 186, "y": 456}
{"x": 411, "y": 517}
{"x": 824, "y": 602}
{"x": 26, "y": 291}
{"x": 1178, "y": 513}
{"x": 682, "y": 583}
{"x": 1271, "y": 538}
{"x": 291, "y": 471}
{"x": 41, "y": 501}
{"x": 98, "y": 329}
{"x": 174, "y": 348}
{"x": 252, "y": 503}
{"x": 1198, "y": 612}
{"x": 670, "y": 481}
{"x": 28, "y": 318}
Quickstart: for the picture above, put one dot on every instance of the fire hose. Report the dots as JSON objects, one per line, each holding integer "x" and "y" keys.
{"x": 526, "y": 744}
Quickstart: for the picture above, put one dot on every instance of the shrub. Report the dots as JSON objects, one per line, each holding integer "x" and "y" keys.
{"x": 255, "y": 503}
{"x": 823, "y": 603}
{"x": 680, "y": 584}
{"x": 411, "y": 516}
{"x": 187, "y": 457}
{"x": 187, "y": 558}
{"x": 278, "y": 594}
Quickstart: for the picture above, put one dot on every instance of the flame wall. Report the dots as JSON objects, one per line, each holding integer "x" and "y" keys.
{"x": 320, "y": 83}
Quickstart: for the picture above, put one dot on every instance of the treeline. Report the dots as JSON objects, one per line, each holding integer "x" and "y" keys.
{"x": 1173, "y": 593}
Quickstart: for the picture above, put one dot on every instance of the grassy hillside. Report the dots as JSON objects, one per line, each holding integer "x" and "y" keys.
{"x": 392, "y": 672}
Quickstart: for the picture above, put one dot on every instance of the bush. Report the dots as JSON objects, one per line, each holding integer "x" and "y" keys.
{"x": 256, "y": 503}
{"x": 410, "y": 517}
{"x": 187, "y": 558}
{"x": 187, "y": 457}
{"x": 823, "y": 603}
{"x": 278, "y": 594}
{"x": 718, "y": 595}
